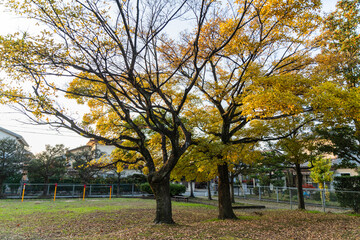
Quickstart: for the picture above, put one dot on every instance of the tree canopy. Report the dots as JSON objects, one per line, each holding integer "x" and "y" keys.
{"x": 155, "y": 77}
{"x": 48, "y": 165}
{"x": 13, "y": 158}
{"x": 110, "y": 56}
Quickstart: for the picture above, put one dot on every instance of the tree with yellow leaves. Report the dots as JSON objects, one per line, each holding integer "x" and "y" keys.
{"x": 107, "y": 55}
{"x": 339, "y": 65}
{"x": 321, "y": 173}
{"x": 263, "y": 75}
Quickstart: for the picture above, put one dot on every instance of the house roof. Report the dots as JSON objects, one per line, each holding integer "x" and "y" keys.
{"x": 81, "y": 148}
{"x": 15, "y": 135}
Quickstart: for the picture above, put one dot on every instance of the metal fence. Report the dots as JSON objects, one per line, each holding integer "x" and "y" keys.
{"x": 324, "y": 198}
{"x": 35, "y": 190}
{"x": 317, "y": 198}
{"x": 313, "y": 197}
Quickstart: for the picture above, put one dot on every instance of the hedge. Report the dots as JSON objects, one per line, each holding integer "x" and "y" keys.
{"x": 175, "y": 189}
{"x": 348, "y": 191}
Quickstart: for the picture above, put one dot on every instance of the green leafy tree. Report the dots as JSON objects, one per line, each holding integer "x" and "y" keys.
{"x": 85, "y": 165}
{"x": 296, "y": 150}
{"x": 348, "y": 191}
{"x": 342, "y": 142}
{"x": 13, "y": 158}
{"x": 270, "y": 169}
{"x": 48, "y": 166}
{"x": 321, "y": 172}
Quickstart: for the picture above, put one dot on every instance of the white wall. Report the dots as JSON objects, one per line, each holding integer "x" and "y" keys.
{"x": 104, "y": 148}
{"x": 351, "y": 171}
{"x": 5, "y": 135}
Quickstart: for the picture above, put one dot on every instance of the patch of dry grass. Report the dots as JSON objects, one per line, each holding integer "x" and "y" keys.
{"x": 132, "y": 219}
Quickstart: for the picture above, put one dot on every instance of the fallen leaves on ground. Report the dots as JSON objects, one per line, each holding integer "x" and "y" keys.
{"x": 193, "y": 222}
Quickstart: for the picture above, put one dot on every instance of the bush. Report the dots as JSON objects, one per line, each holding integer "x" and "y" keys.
{"x": 145, "y": 187}
{"x": 135, "y": 178}
{"x": 175, "y": 189}
{"x": 347, "y": 191}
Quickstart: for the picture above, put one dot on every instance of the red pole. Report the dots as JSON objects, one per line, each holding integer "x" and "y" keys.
{"x": 84, "y": 192}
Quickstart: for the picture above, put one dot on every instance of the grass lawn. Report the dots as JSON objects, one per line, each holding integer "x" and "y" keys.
{"x": 132, "y": 219}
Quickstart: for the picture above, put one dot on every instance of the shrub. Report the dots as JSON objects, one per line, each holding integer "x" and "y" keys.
{"x": 347, "y": 191}
{"x": 135, "y": 178}
{"x": 175, "y": 189}
{"x": 145, "y": 187}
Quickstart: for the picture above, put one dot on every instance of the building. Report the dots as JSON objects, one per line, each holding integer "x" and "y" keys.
{"x": 105, "y": 150}
{"x": 4, "y": 133}
{"x": 7, "y": 134}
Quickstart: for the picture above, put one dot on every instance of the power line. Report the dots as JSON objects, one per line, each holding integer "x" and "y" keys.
{"x": 59, "y": 135}
{"x": 43, "y": 133}
{"x": 19, "y": 129}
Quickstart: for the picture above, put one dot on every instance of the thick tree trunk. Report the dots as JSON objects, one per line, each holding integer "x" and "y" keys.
{"x": 209, "y": 190}
{"x": 161, "y": 191}
{"x": 225, "y": 208}
{"x": 300, "y": 193}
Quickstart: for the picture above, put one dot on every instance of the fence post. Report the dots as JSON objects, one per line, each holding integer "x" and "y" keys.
{"x": 90, "y": 190}
{"x": 259, "y": 193}
{"x": 323, "y": 198}
{"x": 73, "y": 191}
{"x": 277, "y": 194}
{"x": 243, "y": 187}
{"x": 290, "y": 195}
{"x": 48, "y": 189}
{"x": 132, "y": 189}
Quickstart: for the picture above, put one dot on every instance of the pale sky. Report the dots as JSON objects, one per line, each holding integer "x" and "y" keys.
{"x": 38, "y": 136}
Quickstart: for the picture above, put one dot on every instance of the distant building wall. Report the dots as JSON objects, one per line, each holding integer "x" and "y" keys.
{"x": 345, "y": 171}
{"x": 105, "y": 148}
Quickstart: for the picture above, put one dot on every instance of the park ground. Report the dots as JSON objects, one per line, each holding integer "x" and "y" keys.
{"x": 127, "y": 218}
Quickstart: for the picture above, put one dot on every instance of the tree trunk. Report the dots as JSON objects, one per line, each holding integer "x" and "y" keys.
{"x": 209, "y": 190}
{"x": 300, "y": 194}
{"x": 1, "y": 188}
{"x": 45, "y": 188}
{"x": 289, "y": 178}
{"x": 161, "y": 191}
{"x": 191, "y": 190}
{"x": 225, "y": 208}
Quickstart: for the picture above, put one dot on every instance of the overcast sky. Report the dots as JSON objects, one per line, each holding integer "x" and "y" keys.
{"x": 39, "y": 136}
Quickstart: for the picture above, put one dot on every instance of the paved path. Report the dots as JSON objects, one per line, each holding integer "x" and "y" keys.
{"x": 275, "y": 205}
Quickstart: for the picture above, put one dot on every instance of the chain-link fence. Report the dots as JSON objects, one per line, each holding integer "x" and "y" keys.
{"x": 313, "y": 197}
{"x": 324, "y": 198}
{"x": 35, "y": 190}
